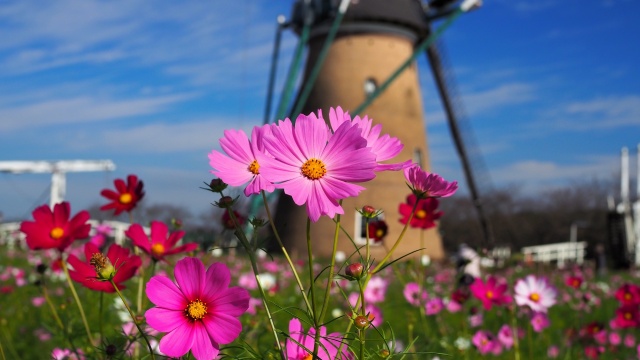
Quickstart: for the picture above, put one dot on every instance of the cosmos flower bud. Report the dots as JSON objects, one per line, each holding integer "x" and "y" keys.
{"x": 354, "y": 270}
{"x": 102, "y": 265}
{"x": 361, "y": 322}
{"x": 384, "y": 353}
{"x": 225, "y": 202}
{"x": 368, "y": 210}
{"x": 217, "y": 185}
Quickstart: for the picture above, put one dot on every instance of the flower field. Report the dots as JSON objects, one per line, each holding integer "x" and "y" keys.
{"x": 68, "y": 292}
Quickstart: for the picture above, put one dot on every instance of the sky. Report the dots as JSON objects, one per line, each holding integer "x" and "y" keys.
{"x": 550, "y": 89}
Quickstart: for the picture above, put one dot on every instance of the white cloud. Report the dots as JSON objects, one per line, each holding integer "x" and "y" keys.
{"x": 603, "y": 113}
{"x": 162, "y": 138}
{"x": 538, "y": 173}
{"x": 81, "y": 109}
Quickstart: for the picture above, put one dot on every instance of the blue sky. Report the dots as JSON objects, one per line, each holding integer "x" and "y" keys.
{"x": 551, "y": 90}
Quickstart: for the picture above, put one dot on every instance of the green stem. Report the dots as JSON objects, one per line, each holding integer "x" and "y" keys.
{"x": 2, "y": 352}
{"x": 54, "y": 312}
{"x": 286, "y": 254}
{"x": 141, "y": 282}
{"x": 100, "y": 315}
{"x": 10, "y": 347}
{"x": 45, "y": 293}
{"x": 254, "y": 266}
{"x": 393, "y": 248}
{"x": 516, "y": 339}
{"x": 77, "y": 299}
{"x": 316, "y": 325}
{"x": 325, "y": 303}
{"x": 133, "y": 318}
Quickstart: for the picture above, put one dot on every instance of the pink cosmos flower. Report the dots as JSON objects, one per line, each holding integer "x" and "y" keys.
{"x": 535, "y": 292}
{"x": 491, "y": 292}
{"x": 38, "y": 301}
{"x": 453, "y": 306}
{"x": 614, "y": 338}
{"x": 158, "y": 245}
{"x": 553, "y": 351}
{"x": 540, "y": 321}
{"x": 484, "y": 342}
{"x": 414, "y": 294}
{"x": 629, "y": 340}
{"x": 244, "y": 160}
{"x": 424, "y": 184}
{"x": 384, "y": 147}
{"x": 300, "y": 345}
{"x": 434, "y": 306}
{"x": 66, "y": 354}
{"x": 376, "y": 290}
{"x": 505, "y": 336}
{"x": 198, "y": 312}
{"x": 315, "y": 167}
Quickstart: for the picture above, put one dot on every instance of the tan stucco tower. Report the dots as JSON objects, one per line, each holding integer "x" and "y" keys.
{"x": 374, "y": 39}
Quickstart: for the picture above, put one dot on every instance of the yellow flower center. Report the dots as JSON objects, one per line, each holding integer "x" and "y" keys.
{"x": 307, "y": 357}
{"x": 157, "y": 249}
{"x": 627, "y": 296}
{"x": 254, "y": 167}
{"x": 489, "y": 294}
{"x": 313, "y": 169}
{"x": 196, "y": 310}
{"x": 627, "y": 316}
{"x": 379, "y": 233}
{"x": 535, "y": 297}
{"x": 125, "y": 198}
{"x": 56, "y": 233}
{"x": 421, "y": 214}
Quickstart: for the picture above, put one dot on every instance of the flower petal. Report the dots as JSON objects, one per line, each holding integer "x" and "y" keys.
{"x": 179, "y": 341}
{"x": 203, "y": 348}
{"x": 222, "y": 328}
{"x": 164, "y": 293}
{"x": 189, "y": 274}
{"x": 165, "y": 320}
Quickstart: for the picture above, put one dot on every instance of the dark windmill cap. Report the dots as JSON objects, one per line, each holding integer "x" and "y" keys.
{"x": 406, "y": 17}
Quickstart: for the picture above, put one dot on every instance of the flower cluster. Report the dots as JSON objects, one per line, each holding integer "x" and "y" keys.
{"x": 314, "y": 163}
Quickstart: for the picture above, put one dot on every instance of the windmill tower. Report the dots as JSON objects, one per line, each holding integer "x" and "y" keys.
{"x": 375, "y": 38}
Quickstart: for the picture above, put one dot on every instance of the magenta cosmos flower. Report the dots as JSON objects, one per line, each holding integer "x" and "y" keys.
{"x": 54, "y": 229}
{"x": 97, "y": 269}
{"x": 424, "y": 184}
{"x": 126, "y": 196}
{"x": 300, "y": 345}
{"x": 425, "y": 215}
{"x": 384, "y": 147}
{"x": 242, "y": 163}
{"x": 490, "y": 292}
{"x": 315, "y": 167}
{"x": 198, "y": 312}
{"x": 535, "y": 292}
{"x": 159, "y": 244}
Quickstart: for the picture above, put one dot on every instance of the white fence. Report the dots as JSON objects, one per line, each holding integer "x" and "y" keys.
{"x": 559, "y": 252}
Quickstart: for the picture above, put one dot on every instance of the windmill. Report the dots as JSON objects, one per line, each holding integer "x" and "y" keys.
{"x": 58, "y": 170}
{"x": 361, "y": 55}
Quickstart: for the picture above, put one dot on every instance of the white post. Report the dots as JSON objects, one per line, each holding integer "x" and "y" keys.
{"x": 573, "y": 233}
{"x": 624, "y": 176}
{"x": 58, "y": 186}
